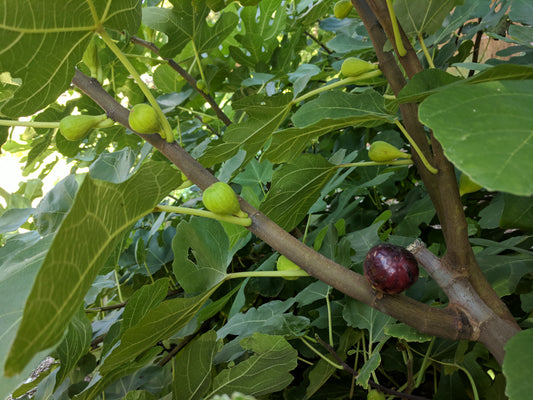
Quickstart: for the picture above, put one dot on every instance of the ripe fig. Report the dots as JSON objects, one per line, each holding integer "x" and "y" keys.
{"x": 390, "y": 269}
{"x": 382, "y": 152}
{"x": 467, "y": 185}
{"x": 284, "y": 264}
{"x": 144, "y": 119}
{"x": 353, "y": 66}
{"x": 342, "y": 8}
{"x": 221, "y": 199}
{"x": 76, "y": 127}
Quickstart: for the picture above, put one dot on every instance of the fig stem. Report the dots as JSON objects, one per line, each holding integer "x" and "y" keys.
{"x": 425, "y": 50}
{"x": 167, "y": 130}
{"x": 33, "y": 124}
{"x": 197, "y": 57}
{"x": 267, "y": 274}
{"x": 371, "y": 163}
{"x": 204, "y": 213}
{"x": 322, "y": 356}
{"x": 397, "y": 37}
{"x": 342, "y": 82}
{"x": 423, "y": 158}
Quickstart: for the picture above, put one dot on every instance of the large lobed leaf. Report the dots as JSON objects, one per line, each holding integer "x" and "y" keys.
{"x": 295, "y": 188}
{"x": 187, "y": 22}
{"x": 485, "y": 130}
{"x": 423, "y": 16}
{"x": 41, "y": 42}
{"x": 101, "y": 213}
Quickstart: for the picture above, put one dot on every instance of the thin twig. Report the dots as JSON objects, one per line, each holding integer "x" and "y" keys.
{"x": 188, "y": 77}
{"x": 372, "y": 384}
{"x": 314, "y": 39}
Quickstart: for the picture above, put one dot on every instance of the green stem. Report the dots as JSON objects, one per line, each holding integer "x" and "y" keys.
{"x": 33, "y": 124}
{"x": 322, "y": 356}
{"x": 423, "y": 158}
{"x": 371, "y": 163}
{"x": 204, "y": 213}
{"x": 197, "y": 56}
{"x": 342, "y": 82}
{"x": 167, "y": 130}
{"x": 330, "y": 327}
{"x": 424, "y": 365}
{"x": 118, "y": 287}
{"x": 267, "y": 274}
{"x": 425, "y": 50}
{"x": 397, "y": 37}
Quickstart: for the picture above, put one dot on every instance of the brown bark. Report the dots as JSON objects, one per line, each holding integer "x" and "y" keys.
{"x": 446, "y": 323}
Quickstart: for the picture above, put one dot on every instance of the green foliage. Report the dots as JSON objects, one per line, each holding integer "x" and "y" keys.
{"x": 136, "y": 304}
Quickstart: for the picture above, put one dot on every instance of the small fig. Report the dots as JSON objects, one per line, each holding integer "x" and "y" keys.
{"x": 342, "y": 8}
{"x": 144, "y": 119}
{"x": 467, "y": 185}
{"x": 284, "y": 264}
{"x": 76, "y": 127}
{"x": 375, "y": 395}
{"x": 353, "y": 66}
{"x": 390, "y": 269}
{"x": 221, "y": 199}
{"x": 382, "y": 152}
{"x": 201, "y": 84}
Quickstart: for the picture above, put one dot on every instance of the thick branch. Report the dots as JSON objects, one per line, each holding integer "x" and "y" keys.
{"x": 447, "y": 323}
{"x": 442, "y": 187}
{"x": 488, "y": 327}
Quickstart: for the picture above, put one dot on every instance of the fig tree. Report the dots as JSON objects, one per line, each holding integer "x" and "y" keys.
{"x": 390, "y": 269}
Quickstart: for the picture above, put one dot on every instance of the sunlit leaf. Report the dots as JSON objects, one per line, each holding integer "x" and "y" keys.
{"x": 101, "y": 213}
{"x": 485, "y": 130}
{"x": 41, "y": 42}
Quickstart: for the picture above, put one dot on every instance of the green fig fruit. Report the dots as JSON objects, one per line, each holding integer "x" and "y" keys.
{"x": 284, "y": 264}
{"x": 354, "y": 66}
{"x": 382, "y": 152}
{"x": 467, "y": 185}
{"x": 342, "y": 8}
{"x": 202, "y": 85}
{"x": 221, "y": 199}
{"x": 375, "y": 395}
{"x": 76, "y": 127}
{"x": 144, "y": 119}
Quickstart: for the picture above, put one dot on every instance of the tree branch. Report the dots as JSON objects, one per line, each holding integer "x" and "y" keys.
{"x": 442, "y": 187}
{"x": 447, "y": 323}
{"x": 188, "y": 77}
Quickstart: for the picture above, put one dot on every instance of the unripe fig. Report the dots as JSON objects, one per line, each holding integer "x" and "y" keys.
{"x": 221, "y": 199}
{"x": 76, "y": 127}
{"x": 467, "y": 185}
{"x": 284, "y": 264}
{"x": 144, "y": 119}
{"x": 375, "y": 395}
{"x": 353, "y": 66}
{"x": 342, "y": 8}
{"x": 90, "y": 57}
{"x": 390, "y": 269}
{"x": 382, "y": 152}
{"x": 202, "y": 85}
